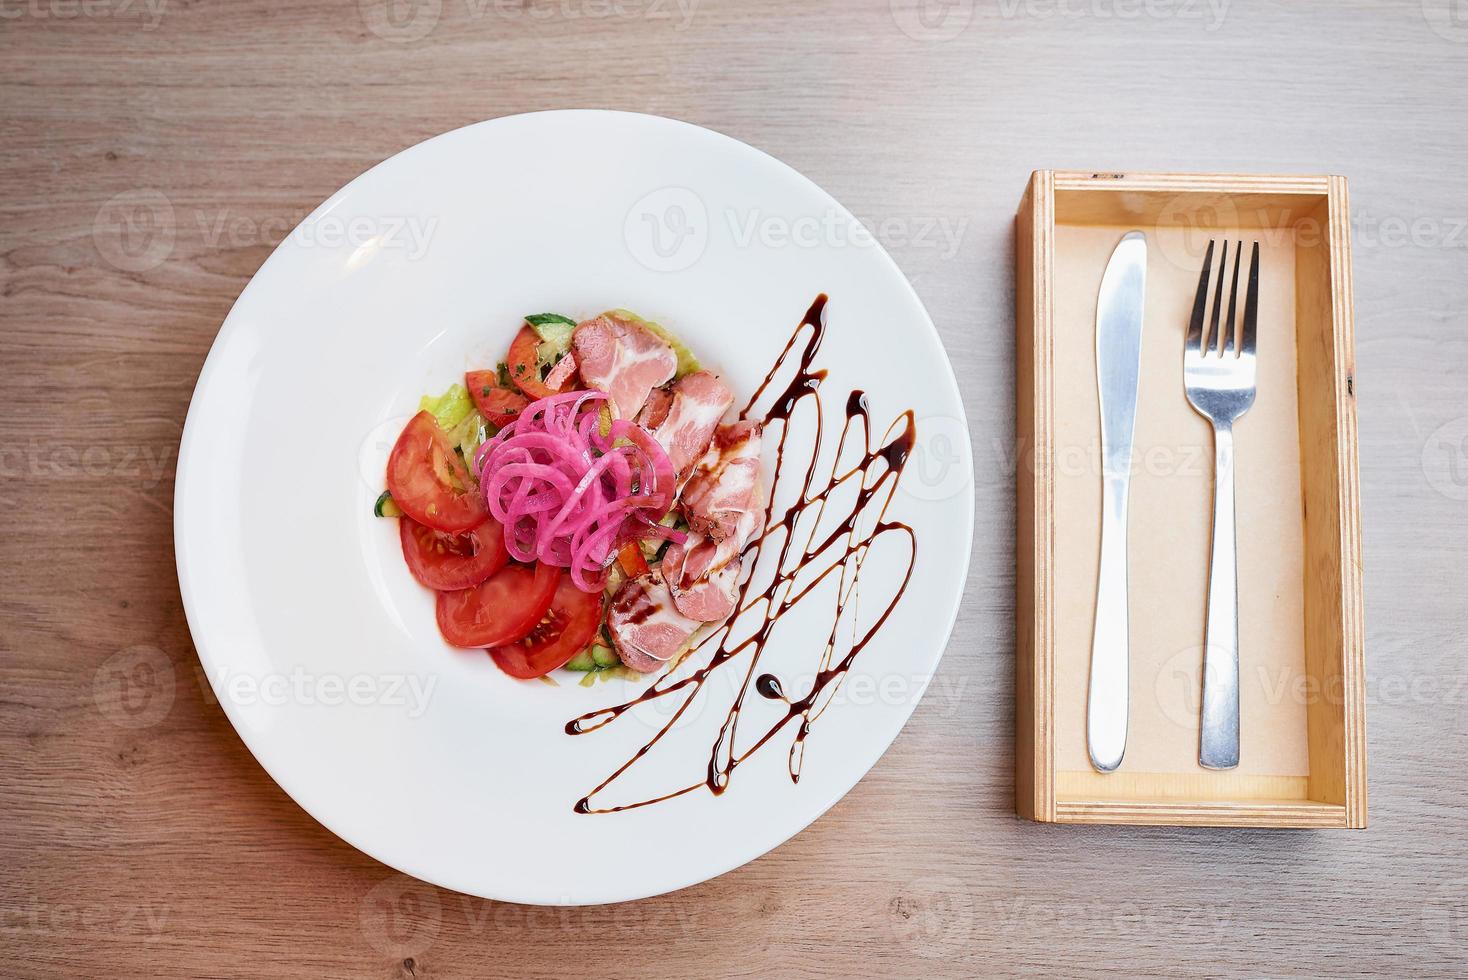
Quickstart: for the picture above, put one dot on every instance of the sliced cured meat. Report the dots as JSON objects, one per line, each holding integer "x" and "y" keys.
{"x": 562, "y": 372}
{"x": 752, "y": 522}
{"x": 659, "y": 400}
{"x": 624, "y": 359}
{"x": 703, "y": 574}
{"x": 722, "y": 488}
{"x": 699, "y": 401}
{"x": 702, "y": 581}
{"x": 645, "y": 625}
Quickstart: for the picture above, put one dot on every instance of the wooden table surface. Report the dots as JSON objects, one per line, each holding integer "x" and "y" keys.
{"x": 152, "y": 152}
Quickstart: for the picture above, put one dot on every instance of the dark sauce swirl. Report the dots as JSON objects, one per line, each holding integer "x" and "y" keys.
{"x": 841, "y": 551}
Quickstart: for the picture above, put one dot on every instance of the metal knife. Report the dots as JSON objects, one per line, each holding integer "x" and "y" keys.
{"x": 1118, "y": 364}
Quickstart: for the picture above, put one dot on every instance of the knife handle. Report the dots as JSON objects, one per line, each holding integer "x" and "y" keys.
{"x": 1107, "y": 700}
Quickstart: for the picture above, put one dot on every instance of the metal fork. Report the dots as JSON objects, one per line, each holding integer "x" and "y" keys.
{"x": 1218, "y": 376}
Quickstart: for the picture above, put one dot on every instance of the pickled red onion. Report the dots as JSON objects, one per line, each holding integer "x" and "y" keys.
{"x": 570, "y": 494}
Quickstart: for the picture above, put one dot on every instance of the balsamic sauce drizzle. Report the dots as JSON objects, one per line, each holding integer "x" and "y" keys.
{"x": 841, "y": 552}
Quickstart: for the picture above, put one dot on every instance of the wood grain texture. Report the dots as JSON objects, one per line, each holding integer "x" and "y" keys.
{"x": 1034, "y": 773}
{"x": 148, "y": 164}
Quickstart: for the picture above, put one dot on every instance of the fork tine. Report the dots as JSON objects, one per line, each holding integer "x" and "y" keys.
{"x": 1195, "y": 326}
{"x": 1227, "y": 342}
{"x": 1251, "y": 303}
{"x": 1214, "y": 340}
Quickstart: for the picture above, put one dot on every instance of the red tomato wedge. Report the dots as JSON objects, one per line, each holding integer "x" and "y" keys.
{"x": 631, "y": 559}
{"x": 430, "y": 482}
{"x": 443, "y": 560}
{"x": 502, "y": 609}
{"x": 499, "y": 405}
{"x": 524, "y": 365}
{"x": 566, "y": 630}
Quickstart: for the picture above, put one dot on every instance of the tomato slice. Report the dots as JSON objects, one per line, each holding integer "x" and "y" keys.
{"x": 499, "y": 405}
{"x": 631, "y": 558}
{"x": 444, "y": 560}
{"x": 524, "y": 365}
{"x": 430, "y": 482}
{"x": 564, "y": 631}
{"x": 502, "y": 609}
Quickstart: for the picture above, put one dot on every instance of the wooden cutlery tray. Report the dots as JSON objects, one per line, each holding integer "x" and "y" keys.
{"x": 1303, "y": 720}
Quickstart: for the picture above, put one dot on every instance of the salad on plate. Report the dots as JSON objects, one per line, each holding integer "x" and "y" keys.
{"x": 584, "y": 504}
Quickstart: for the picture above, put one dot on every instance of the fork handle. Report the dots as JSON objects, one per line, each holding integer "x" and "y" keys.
{"x": 1218, "y": 746}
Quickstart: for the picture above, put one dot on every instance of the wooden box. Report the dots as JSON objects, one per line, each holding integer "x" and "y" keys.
{"x": 1303, "y": 728}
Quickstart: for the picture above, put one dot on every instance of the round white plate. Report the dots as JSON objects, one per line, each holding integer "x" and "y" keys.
{"x": 321, "y": 647}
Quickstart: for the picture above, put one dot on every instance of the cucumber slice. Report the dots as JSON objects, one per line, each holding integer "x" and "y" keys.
{"x": 450, "y": 408}
{"x": 547, "y": 324}
{"x": 470, "y": 434}
{"x": 594, "y": 658}
{"x": 615, "y": 578}
{"x": 555, "y": 337}
{"x": 547, "y": 356}
{"x": 583, "y": 661}
{"x": 687, "y": 363}
{"x": 386, "y": 506}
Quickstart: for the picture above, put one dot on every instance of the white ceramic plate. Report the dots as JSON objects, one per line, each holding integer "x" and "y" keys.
{"x": 324, "y": 651}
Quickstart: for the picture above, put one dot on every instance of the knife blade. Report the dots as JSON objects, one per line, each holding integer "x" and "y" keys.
{"x": 1119, "y": 309}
